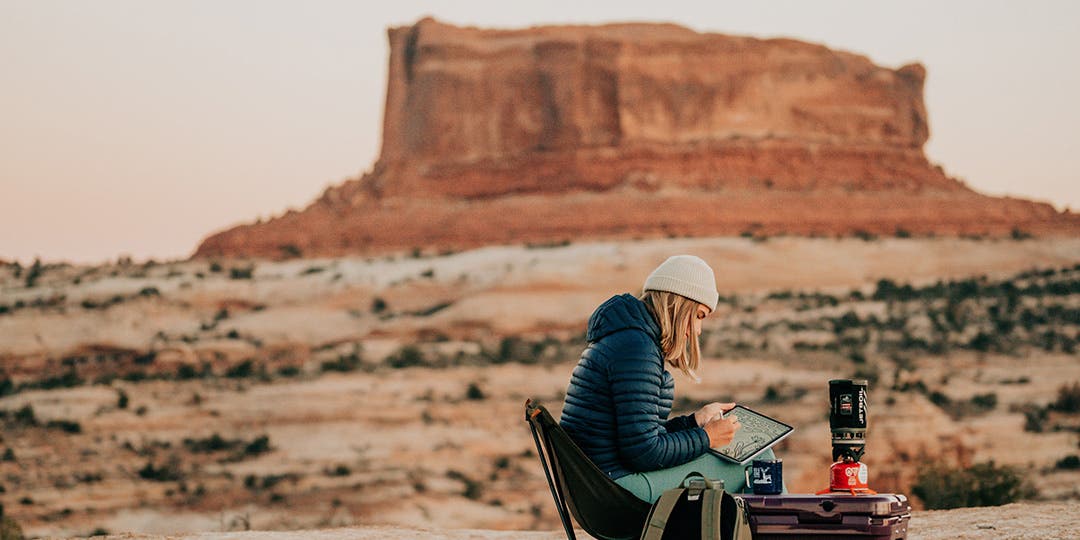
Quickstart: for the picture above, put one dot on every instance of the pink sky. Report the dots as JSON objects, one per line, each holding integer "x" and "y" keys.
{"x": 137, "y": 128}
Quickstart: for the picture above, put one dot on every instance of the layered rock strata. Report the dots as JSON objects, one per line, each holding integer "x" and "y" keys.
{"x": 556, "y": 133}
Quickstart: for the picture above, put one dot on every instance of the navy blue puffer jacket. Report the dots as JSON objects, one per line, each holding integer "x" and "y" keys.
{"x": 620, "y": 395}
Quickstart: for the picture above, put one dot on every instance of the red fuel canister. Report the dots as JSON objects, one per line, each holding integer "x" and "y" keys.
{"x": 848, "y": 476}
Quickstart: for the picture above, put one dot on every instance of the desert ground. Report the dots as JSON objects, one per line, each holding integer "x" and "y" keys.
{"x": 180, "y": 397}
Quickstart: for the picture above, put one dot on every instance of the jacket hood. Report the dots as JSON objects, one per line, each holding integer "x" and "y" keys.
{"x": 618, "y": 313}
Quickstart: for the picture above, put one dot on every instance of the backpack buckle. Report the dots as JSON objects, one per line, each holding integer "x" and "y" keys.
{"x": 695, "y": 487}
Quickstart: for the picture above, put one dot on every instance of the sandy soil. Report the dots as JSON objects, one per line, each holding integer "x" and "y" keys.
{"x": 1028, "y": 521}
{"x": 444, "y": 447}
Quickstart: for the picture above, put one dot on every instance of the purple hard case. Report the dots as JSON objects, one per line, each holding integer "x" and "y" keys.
{"x": 837, "y": 515}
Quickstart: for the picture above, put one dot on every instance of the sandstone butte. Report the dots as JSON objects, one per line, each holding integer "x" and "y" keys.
{"x": 556, "y": 133}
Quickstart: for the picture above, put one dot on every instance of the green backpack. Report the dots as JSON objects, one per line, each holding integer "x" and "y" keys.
{"x": 700, "y": 508}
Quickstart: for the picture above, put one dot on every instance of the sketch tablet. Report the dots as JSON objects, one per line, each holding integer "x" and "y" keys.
{"x": 758, "y": 432}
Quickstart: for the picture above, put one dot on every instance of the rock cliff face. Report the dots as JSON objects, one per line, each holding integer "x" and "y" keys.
{"x": 555, "y": 133}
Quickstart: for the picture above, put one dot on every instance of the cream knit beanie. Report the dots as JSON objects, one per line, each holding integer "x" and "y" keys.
{"x": 685, "y": 275}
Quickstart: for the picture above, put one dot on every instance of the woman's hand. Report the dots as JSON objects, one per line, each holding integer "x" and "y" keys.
{"x": 710, "y": 411}
{"x": 722, "y": 430}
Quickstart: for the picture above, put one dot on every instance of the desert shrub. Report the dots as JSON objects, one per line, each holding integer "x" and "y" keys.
{"x": 473, "y": 489}
{"x": 474, "y": 392}
{"x": 902, "y": 233}
{"x": 145, "y": 359}
{"x": 982, "y": 342}
{"x": 34, "y": 273}
{"x": 241, "y": 371}
{"x": 245, "y": 272}
{"x": 1068, "y": 399}
{"x": 67, "y": 426}
{"x": 260, "y": 445}
{"x": 290, "y": 251}
{"x": 344, "y": 363}
{"x": 288, "y": 371}
{"x": 513, "y": 349}
{"x": 1019, "y": 234}
{"x": 9, "y": 455}
{"x": 1035, "y": 419}
{"x": 25, "y": 416}
{"x": 939, "y": 399}
{"x": 986, "y": 401}
{"x": 69, "y": 379}
{"x": 865, "y": 236}
{"x": 339, "y": 470}
{"x": 1070, "y": 463}
{"x": 169, "y": 472}
{"x": 149, "y": 291}
{"x": 89, "y": 477}
{"x": 213, "y": 443}
{"x": 134, "y": 376}
{"x": 887, "y": 289}
{"x": 9, "y": 529}
{"x": 917, "y": 386}
{"x": 407, "y": 356}
{"x": 848, "y": 320}
{"x": 983, "y": 484}
{"x": 6, "y": 387}
{"x": 378, "y": 305}
{"x": 255, "y": 483}
{"x": 186, "y": 371}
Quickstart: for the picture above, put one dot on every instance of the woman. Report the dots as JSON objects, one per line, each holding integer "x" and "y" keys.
{"x": 620, "y": 393}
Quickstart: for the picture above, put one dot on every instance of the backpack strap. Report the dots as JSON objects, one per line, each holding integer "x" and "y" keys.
{"x": 661, "y": 511}
{"x": 711, "y": 520}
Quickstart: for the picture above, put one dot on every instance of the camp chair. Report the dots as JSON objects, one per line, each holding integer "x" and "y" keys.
{"x": 600, "y": 506}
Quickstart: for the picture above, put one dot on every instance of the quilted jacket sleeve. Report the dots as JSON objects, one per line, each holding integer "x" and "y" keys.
{"x": 636, "y": 376}
{"x": 680, "y": 423}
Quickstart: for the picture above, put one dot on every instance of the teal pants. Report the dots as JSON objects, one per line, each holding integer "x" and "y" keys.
{"x": 648, "y": 486}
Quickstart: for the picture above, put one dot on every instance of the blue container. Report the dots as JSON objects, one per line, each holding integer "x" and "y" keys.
{"x": 765, "y": 476}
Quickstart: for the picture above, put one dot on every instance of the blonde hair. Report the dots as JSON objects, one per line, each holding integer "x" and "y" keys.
{"x": 674, "y": 314}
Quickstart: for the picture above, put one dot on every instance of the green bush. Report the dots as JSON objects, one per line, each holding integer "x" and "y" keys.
{"x": 1068, "y": 400}
{"x": 6, "y": 387}
{"x": 407, "y": 356}
{"x": 185, "y": 372}
{"x": 345, "y": 363}
{"x": 213, "y": 443}
{"x": 983, "y": 484}
{"x": 474, "y": 393}
{"x": 1070, "y": 463}
{"x": 166, "y": 473}
{"x": 378, "y": 305}
{"x": 259, "y": 445}
{"x": 339, "y": 470}
{"x": 241, "y": 272}
{"x": 242, "y": 370}
{"x": 25, "y": 416}
{"x": 66, "y": 426}
{"x": 9, "y": 529}
{"x": 473, "y": 489}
